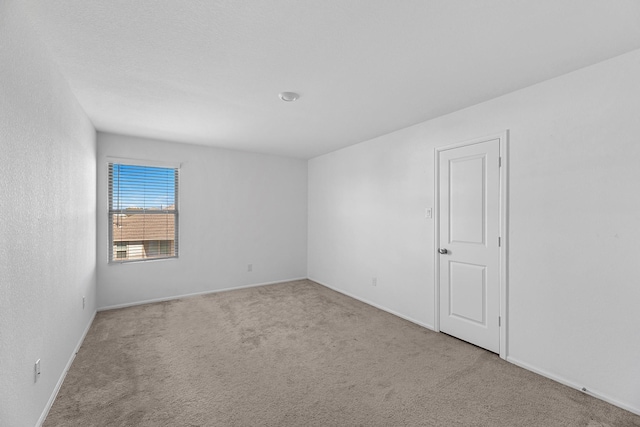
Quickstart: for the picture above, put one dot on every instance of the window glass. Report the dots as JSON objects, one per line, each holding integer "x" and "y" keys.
{"x": 143, "y": 212}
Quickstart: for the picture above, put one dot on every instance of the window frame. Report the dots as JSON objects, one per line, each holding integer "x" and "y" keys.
{"x": 112, "y": 258}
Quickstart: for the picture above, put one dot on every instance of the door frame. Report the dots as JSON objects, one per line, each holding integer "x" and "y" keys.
{"x": 504, "y": 230}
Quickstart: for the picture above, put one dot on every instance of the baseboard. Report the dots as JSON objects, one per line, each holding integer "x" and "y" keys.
{"x": 573, "y": 385}
{"x": 373, "y": 304}
{"x": 195, "y": 294}
{"x": 52, "y": 399}
{"x": 509, "y": 359}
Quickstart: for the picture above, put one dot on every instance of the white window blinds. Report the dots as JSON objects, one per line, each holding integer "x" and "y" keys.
{"x": 143, "y": 212}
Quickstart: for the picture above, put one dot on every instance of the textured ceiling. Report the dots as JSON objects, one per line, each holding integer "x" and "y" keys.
{"x": 209, "y": 71}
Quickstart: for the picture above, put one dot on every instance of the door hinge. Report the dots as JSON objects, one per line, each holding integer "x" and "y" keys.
{"x": 499, "y": 162}
{"x": 499, "y": 321}
{"x": 499, "y": 242}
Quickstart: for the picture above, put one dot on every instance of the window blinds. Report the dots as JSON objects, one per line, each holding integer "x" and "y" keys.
{"x": 143, "y": 212}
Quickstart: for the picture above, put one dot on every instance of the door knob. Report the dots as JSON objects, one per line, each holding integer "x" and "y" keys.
{"x": 443, "y": 251}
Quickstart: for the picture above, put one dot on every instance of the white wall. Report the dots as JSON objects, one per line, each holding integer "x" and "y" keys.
{"x": 236, "y": 209}
{"x": 47, "y": 226}
{"x": 574, "y": 293}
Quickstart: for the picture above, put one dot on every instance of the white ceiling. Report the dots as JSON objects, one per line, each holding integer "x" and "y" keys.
{"x": 209, "y": 71}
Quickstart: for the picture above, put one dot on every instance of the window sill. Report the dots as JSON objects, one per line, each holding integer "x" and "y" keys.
{"x": 141, "y": 261}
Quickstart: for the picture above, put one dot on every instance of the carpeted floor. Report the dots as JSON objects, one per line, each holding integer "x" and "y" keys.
{"x": 299, "y": 354}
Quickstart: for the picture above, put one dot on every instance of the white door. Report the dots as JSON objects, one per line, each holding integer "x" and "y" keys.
{"x": 469, "y": 252}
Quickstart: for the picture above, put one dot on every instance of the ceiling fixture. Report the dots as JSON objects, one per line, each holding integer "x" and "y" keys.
{"x": 288, "y": 96}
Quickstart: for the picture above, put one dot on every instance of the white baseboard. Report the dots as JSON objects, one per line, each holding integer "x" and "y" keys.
{"x": 52, "y": 399}
{"x": 573, "y": 385}
{"x": 195, "y": 294}
{"x": 509, "y": 359}
{"x": 373, "y": 304}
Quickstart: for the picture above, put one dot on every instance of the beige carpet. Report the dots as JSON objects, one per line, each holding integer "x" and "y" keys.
{"x": 299, "y": 354}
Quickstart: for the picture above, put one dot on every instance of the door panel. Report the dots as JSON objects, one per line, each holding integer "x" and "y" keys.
{"x": 466, "y": 200}
{"x": 469, "y": 216}
{"x": 468, "y": 292}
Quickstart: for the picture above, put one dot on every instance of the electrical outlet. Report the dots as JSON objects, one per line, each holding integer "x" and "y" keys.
{"x": 36, "y": 372}
{"x": 83, "y": 303}
{"x": 250, "y": 267}
{"x": 374, "y": 281}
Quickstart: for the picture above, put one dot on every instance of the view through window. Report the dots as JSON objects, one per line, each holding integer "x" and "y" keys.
{"x": 143, "y": 212}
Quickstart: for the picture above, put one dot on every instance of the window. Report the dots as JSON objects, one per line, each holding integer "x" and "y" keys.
{"x": 121, "y": 250}
{"x": 143, "y": 212}
{"x": 158, "y": 247}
